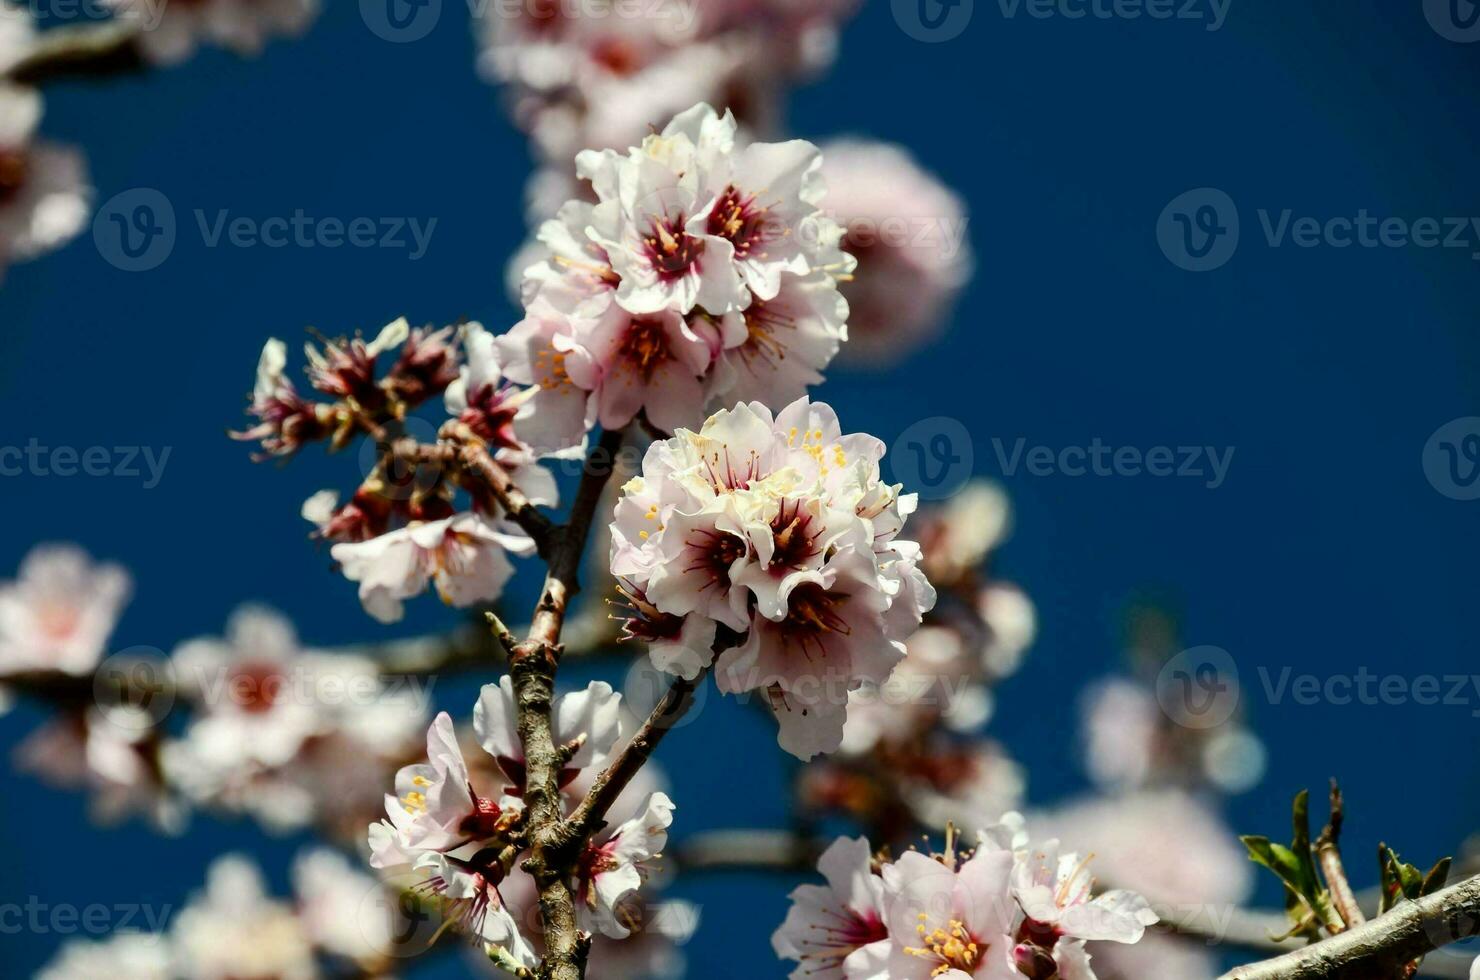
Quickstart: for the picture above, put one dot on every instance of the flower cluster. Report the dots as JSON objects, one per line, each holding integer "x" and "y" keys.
{"x": 584, "y": 74}
{"x": 341, "y": 918}
{"x": 780, "y": 531}
{"x": 1006, "y": 909}
{"x": 44, "y": 192}
{"x": 448, "y": 838}
{"x": 705, "y": 273}
{"x": 402, "y": 531}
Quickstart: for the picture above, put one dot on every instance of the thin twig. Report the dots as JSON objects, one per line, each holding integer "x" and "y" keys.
{"x": 1328, "y": 853}
{"x": 1382, "y": 946}
{"x": 102, "y": 50}
{"x": 591, "y": 814}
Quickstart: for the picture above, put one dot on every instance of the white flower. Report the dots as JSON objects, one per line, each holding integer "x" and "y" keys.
{"x": 256, "y": 703}
{"x": 704, "y": 272}
{"x": 908, "y": 234}
{"x": 171, "y": 34}
{"x": 472, "y": 900}
{"x": 592, "y": 717}
{"x": 1056, "y": 892}
{"x": 17, "y": 34}
{"x": 111, "y": 753}
{"x": 233, "y": 929}
{"x": 44, "y": 194}
{"x": 780, "y": 530}
{"x": 776, "y": 348}
{"x": 614, "y": 866}
{"x": 462, "y": 555}
{"x": 343, "y": 910}
{"x": 59, "y": 611}
{"x": 950, "y": 919}
{"x": 121, "y": 956}
{"x": 434, "y": 807}
{"x": 837, "y": 931}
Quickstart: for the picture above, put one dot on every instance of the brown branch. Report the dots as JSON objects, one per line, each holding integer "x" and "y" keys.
{"x": 98, "y": 50}
{"x": 590, "y": 816}
{"x": 473, "y": 460}
{"x": 552, "y": 854}
{"x": 1328, "y": 853}
{"x": 1384, "y": 946}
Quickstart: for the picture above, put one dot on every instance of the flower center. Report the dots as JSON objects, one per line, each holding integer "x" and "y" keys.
{"x": 796, "y": 539}
{"x": 670, "y": 250}
{"x": 57, "y": 620}
{"x": 644, "y": 347}
{"x": 736, "y": 217}
{"x": 810, "y": 613}
{"x": 14, "y": 168}
{"x": 415, "y": 801}
{"x": 953, "y": 946}
{"x": 833, "y": 941}
{"x": 256, "y": 686}
{"x": 549, "y": 366}
{"x": 712, "y": 553}
{"x": 761, "y": 325}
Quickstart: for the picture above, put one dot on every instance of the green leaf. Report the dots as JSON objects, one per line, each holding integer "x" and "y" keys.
{"x": 1437, "y": 876}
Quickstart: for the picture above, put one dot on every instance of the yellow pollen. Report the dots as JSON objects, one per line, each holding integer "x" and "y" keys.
{"x": 952, "y": 945}
{"x": 415, "y": 802}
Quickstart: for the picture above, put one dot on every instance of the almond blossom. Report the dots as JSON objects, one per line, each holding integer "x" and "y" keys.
{"x": 464, "y": 556}
{"x": 780, "y": 530}
{"x": 957, "y": 914}
{"x": 615, "y": 864}
{"x": 59, "y": 611}
{"x": 235, "y": 929}
{"x": 837, "y": 931}
{"x": 705, "y": 271}
{"x": 121, "y": 956}
{"x": 45, "y": 198}
{"x": 908, "y": 233}
{"x": 590, "y": 721}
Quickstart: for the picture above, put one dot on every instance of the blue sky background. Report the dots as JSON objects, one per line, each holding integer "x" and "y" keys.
{"x": 1326, "y": 369}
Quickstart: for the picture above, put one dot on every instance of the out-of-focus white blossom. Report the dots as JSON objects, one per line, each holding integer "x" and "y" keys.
{"x": 45, "y": 198}
{"x": 908, "y": 233}
{"x": 59, "y": 611}
{"x": 170, "y": 33}
{"x": 235, "y": 929}
{"x": 121, "y": 956}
